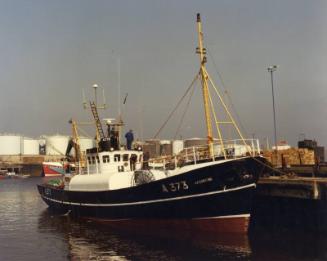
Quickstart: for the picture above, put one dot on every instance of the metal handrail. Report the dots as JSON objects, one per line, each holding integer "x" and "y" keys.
{"x": 196, "y": 154}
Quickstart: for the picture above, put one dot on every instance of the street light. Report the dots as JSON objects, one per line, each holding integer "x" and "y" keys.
{"x": 271, "y": 69}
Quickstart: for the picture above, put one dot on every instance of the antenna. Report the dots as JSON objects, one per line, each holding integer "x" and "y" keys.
{"x": 125, "y": 99}
{"x": 102, "y": 106}
{"x": 118, "y": 83}
{"x": 95, "y": 86}
{"x": 119, "y": 109}
{"x": 84, "y": 100}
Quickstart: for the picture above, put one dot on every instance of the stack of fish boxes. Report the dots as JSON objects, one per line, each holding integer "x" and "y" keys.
{"x": 289, "y": 157}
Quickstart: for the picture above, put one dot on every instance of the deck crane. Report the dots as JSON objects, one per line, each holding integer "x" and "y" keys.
{"x": 74, "y": 142}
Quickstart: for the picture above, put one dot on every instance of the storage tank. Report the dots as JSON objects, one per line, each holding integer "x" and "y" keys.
{"x": 195, "y": 142}
{"x": 56, "y": 144}
{"x": 10, "y": 144}
{"x": 156, "y": 146}
{"x": 151, "y": 149}
{"x": 86, "y": 143}
{"x": 178, "y": 146}
{"x": 30, "y": 146}
{"x": 165, "y": 148}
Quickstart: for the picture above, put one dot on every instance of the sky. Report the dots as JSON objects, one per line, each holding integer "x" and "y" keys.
{"x": 52, "y": 50}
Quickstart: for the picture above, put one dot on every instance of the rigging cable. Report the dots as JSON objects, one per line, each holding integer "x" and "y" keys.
{"x": 84, "y": 132}
{"x": 184, "y": 113}
{"x": 179, "y": 102}
{"x": 226, "y": 92}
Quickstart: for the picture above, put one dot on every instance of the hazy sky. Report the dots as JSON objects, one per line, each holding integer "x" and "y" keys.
{"x": 51, "y": 50}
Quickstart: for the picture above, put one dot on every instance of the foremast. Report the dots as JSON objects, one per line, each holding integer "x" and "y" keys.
{"x": 208, "y": 104}
{"x": 204, "y": 81}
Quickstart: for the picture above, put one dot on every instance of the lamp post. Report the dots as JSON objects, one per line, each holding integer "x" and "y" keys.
{"x": 271, "y": 70}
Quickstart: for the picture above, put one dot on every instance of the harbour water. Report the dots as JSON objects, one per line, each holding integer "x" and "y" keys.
{"x": 28, "y": 231}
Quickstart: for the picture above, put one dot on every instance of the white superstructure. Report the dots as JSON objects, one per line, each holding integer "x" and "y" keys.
{"x": 108, "y": 170}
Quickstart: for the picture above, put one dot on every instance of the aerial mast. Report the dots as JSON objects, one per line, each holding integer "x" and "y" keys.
{"x": 204, "y": 82}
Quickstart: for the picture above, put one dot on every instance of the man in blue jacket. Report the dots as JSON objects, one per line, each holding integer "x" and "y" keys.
{"x": 129, "y": 139}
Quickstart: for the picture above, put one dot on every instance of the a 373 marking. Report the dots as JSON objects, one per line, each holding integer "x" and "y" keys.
{"x": 175, "y": 186}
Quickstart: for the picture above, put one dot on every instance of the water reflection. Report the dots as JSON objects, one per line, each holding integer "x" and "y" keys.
{"x": 29, "y": 231}
{"x": 91, "y": 241}
{"x": 288, "y": 245}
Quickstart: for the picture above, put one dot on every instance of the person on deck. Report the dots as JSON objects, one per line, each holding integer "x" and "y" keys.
{"x": 129, "y": 139}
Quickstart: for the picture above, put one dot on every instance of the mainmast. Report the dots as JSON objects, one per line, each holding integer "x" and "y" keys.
{"x": 204, "y": 81}
{"x": 208, "y": 105}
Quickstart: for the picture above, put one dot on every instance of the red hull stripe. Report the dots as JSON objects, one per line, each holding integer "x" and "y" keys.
{"x": 223, "y": 224}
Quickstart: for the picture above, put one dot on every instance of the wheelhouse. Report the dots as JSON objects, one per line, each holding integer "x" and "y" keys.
{"x": 113, "y": 161}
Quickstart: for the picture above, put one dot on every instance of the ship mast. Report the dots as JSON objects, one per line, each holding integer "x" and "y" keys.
{"x": 204, "y": 81}
{"x": 208, "y": 104}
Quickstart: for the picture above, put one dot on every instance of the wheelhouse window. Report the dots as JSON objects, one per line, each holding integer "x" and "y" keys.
{"x": 134, "y": 157}
{"x": 105, "y": 158}
{"x": 116, "y": 157}
{"x": 125, "y": 157}
{"x": 93, "y": 160}
{"x": 89, "y": 160}
{"x": 98, "y": 160}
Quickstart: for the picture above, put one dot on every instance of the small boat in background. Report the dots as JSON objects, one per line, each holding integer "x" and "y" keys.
{"x": 52, "y": 169}
{"x": 13, "y": 175}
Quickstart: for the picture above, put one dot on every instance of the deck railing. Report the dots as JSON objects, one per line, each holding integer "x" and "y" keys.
{"x": 192, "y": 155}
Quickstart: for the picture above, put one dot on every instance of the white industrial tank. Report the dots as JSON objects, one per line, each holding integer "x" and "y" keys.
{"x": 56, "y": 144}
{"x": 30, "y": 146}
{"x": 178, "y": 146}
{"x": 86, "y": 143}
{"x": 10, "y": 144}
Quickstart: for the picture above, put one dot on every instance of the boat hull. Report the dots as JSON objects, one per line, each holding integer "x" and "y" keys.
{"x": 54, "y": 169}
{"x": 215, "y": 197}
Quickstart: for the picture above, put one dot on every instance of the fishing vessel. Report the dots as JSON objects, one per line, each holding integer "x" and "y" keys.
{"x": 203, "y": 188}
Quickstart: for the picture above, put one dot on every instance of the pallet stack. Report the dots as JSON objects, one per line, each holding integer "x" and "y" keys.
{"x": 289, "y": 157}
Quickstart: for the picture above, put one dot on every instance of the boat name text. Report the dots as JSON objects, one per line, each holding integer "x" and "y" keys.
{"x": 47, "y": 191}
{"x": 201, "y": 181}
{"x": 175, "y": 186}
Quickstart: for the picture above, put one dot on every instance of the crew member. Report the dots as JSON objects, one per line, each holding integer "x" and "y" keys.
{"x": 129, "y": 139}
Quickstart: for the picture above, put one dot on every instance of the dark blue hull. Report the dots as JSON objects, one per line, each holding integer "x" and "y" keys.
{"x": 215, "y": 192}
